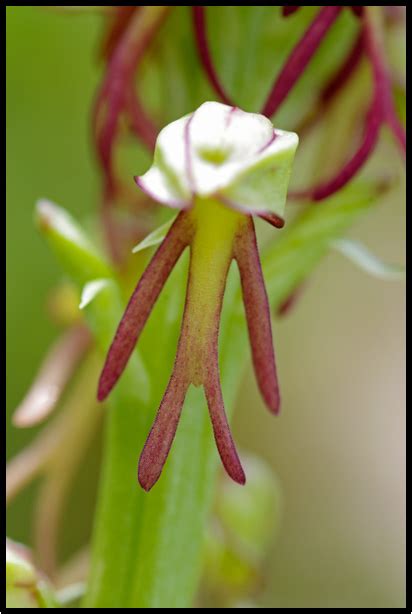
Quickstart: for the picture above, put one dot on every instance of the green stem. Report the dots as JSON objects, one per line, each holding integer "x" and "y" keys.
{"x": 148, "y": 546}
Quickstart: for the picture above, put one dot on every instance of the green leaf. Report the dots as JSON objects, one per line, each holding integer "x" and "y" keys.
{"x": 367, "y": 261}
{"x": 155, "y": 237}
{"x": 91, "y": 290}
{"x": 78, "y": 256}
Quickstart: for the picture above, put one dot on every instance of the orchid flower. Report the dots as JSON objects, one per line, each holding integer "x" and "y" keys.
{"x": 220, "y": 166}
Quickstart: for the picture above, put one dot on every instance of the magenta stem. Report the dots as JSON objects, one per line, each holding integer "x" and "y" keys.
{"x": 300, "y": 58}
{"x": 381, "y": 111}
{"x": 141, "y": 123}
{"x": 199, "y": 24}
{"x": 112, "y": 97}
{"x": 356, "y": 162}
{"x": 382, "y": 83}
{"x": 344, "y": 73}
{"x": 289, "y": 10}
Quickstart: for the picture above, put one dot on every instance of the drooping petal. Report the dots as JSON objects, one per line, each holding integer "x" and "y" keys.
{"x": 300, "y": 57}
{"x": 142, "y": 301}
{"x": 158, "y": 444}
{"x": 258, "y": 315}
{"x": 221, "y": 429}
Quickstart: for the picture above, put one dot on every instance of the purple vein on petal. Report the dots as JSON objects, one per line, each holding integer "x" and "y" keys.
{"x": 221, "y": 429}
{"x": 55, "y": 372}
{"x": 142, "y": 302}
{"x": 199, "y": 24}
{"x": 269, "y": 142}
{"x": 300, "y": 57}
{"x": 230, "y": 115}
{"x": 160, "y": 439}
{"x": 258, "y": 315}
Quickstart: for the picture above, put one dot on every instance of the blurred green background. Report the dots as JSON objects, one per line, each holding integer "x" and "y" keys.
{"x": 338, "y": 447}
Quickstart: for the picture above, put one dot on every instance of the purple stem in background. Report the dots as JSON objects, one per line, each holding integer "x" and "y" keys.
{"x": 258, "y": 316}
{"x": 290, "y": 302}
{"x": 289, "y": 10}
{"x": 300, "y": 57}
{"x": 357, "y": 10}
{"x": 141, "y": 303}
{"x": 54, "y": 374}
{"x": 112, "y": 97}
{"x": 381, "y": 111}
{"x": 383, "y": 85}
{"x": 199, "y": 24}
{"x": 343, "y": 74}
{"x": 356, "y": 162}
{"x": 120, "y": 21}
{"x": 141, "y": 123}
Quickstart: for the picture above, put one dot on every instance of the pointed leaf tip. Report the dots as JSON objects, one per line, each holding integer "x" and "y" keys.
{"x": 91, "y": 290}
